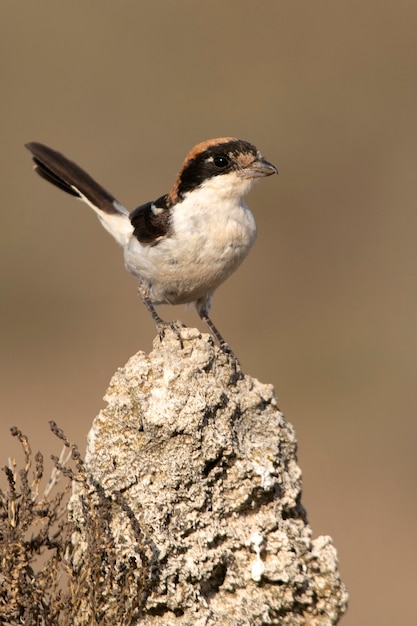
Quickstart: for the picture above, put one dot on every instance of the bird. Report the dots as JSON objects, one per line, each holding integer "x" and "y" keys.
{"x": 186, "y": 243}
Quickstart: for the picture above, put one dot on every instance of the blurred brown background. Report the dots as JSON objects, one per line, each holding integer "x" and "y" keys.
{"x": 325, "y": 306}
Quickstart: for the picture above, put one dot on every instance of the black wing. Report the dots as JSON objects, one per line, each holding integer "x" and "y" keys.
{"x": 151, "y": 221}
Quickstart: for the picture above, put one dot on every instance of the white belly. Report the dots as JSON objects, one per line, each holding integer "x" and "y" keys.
{"x": 205, "y": 247}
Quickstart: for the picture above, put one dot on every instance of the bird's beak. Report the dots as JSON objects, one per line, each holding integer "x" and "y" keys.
{"x": 257, "y": 169}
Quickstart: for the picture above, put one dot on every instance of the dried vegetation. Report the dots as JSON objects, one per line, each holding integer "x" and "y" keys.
{"x": 38, "y": 583}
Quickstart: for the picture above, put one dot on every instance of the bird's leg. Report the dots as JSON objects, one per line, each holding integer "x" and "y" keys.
{"x": 224, "y": 346}
{"x": 237, "y": 369}
{"x": 203, "y": 306}
{"x": 161, "y": 325}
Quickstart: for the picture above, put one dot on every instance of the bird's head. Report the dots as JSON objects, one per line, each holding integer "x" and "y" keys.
{"x": 228, "y": 165}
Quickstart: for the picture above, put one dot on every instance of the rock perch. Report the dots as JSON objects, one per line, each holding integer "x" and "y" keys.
{"x": 199, "y": 467}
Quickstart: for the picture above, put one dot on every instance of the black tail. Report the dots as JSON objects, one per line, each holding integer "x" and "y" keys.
{"x": 68, "y": 176}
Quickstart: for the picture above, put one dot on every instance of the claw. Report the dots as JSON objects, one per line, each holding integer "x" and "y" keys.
{"x": 174, "y": 326}
{"x": 237, "y": 373}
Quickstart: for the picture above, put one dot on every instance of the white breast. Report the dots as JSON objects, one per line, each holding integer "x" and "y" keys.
{"x": 212, "y": 232}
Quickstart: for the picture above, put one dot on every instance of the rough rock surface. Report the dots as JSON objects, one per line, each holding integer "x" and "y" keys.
{"x": 205, "y": 464}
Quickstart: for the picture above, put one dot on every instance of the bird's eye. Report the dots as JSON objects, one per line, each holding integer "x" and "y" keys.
{"x": 221, "y": 161}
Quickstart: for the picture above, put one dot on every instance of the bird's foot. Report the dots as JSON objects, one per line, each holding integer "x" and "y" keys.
{"x": 175, "y": 327}
{"x": 161, "y": 325}
{"x": 237, "y": 373}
